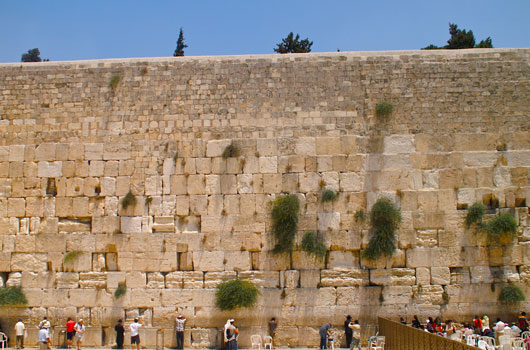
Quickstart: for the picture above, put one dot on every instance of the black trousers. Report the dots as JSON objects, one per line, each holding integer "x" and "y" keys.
{"x": 180, "y": 340}
{"x": 348, "y": 339}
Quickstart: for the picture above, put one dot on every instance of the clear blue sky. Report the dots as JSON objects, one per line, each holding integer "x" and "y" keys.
{"x": 92, "y": 29}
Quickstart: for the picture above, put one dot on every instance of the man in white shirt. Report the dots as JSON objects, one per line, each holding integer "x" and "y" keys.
{"x": 79, "y": 333}
{"x": 356, "y": 334}
{"x": 20, "y": 329}
{"x": 180, "y": 320}
{"x": 44, "y": 338}
{"x": 135, "y": 333}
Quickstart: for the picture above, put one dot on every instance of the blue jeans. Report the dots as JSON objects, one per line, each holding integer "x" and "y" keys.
{"x": 324, "y": 342}
{"x": 232, "y": 344}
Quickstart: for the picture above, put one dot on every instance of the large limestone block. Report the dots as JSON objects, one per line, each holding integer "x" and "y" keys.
{"x": 16, "y": 207}
{"x": 86, "y": 297}
{"x": 67, "y": 280}
{"x": 309, "y": 278}
{"x": 309, "y": 182}
{"x": 50, "y": 243}
{"x": 50, "y": 169}
{"x": 209, "y": 260}
{"x": 290, "y": 279}
{"x": 262, "y": 279}
{"x": 423, "y": 275}
{"x": 328, "y": 221}
{"x": 96, "y": 280}
{"x": 342, "y": 259}
{"x": 344, "y": 277}
{"x": 145, "y": 298}
{"x": 45, "y": 151}
{"x": 351, "y": 182}
{"x": 115, "y": 278}
{"x": 213, "y": 279}
{"x": 481, "y": 274}
{"x": 136, "y": 279}
{"x": 28, "y": 262}
{"x": 117, "y": 151}
{"x": 94, "y": 151}
{"x": 397, "y": 294}
{"x": 268, "y": 165}
{"x": 16, "y": 153}
{"x": 301, "y": 260}
{"x": 393, "y": 277}
{"x": 440, "y": 275}
{"x": 215, "y": 148}
{"x": 237, "y": 261}
{"x": 131, "y": 224}
{"x": 358, "y": 296}
{"x": 399, "y": 144}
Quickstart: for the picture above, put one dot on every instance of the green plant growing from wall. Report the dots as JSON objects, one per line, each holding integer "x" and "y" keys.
{"x": 475, "y": 214}
{"x": 120, "y": 291}
{"x": 328, "y": 196}
{"x": 236, "y": 293}
{"x": 499, "y": 227}
{"x": 12, "y": 296}
{"x": 114, "y": 81}
{"x": 385, "y": 219}
{"x": 285, "y": 222}
{"x": 511, "y": 294}
{"x": 231, "y": 151}
{"x": 128, "y": 200}
{"x": 70, "y": 257}
{"x": 383, "y": 110}
{"x": 359, "y": 216}
{"x": 445, "y": 297}
{"x": 148, "y": 200}
{"x": 313, "y": 244}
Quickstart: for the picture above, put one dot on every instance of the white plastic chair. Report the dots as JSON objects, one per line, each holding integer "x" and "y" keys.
{"x": 256, "y": 341}
{"x": 490, "y": 343}
{"x": 3, "y": 340}
{"x": 471, "y": 339}
{"x": 267, "y": 340}
{"x": 525, "y": 334}
{"x": 504, "y": 342}
{"x": 517, "y": 344}
{"x": 377, "y": 343}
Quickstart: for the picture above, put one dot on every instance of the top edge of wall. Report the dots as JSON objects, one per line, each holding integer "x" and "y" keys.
{"x": 272, "y": 57}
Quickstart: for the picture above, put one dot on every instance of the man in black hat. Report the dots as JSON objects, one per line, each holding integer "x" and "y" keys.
{"x": 348, "y": 331}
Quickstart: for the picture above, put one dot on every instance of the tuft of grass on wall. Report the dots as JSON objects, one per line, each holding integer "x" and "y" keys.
{"x": 236, "y": 293}
{"x": 114, "y": 81}
{"x": 70, "y": 257}
{"x": 499, "y": 227}
{"x": 328, "y": 196}
{"x": 313, "y": 244}
{"x": 385, "y": 219}
{"x": 475, "y": 214}
{"x": 383, "y": 110}
{"x": 12, "y": 296}
{"x": 128, "y": 200}
{"x": 285, "y": 222}
{"x": 231, "y": 151}
{"x": 120, "y": 291}
{"x": 359, "y": 216}
{"x": 511, "y": 294}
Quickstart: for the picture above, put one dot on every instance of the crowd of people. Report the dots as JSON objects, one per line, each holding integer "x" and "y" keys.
{"x": 479, "y": 325}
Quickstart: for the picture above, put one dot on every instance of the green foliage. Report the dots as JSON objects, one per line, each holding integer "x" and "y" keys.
{"x": 359, "y": 216}
{"x": 475, "y": 214}
{"x": 236, "y": 293}
{"x": 148, "y": 200}
{"x": 32, "y": 55}
{"x": 511, "y": 294}
{"x": 285, "y": 222}
{"x": 294, "y": 45}
{"x": 231, "y": 151}
{"x": 461, "y": 39}
{"x": 114, "y": 81}
{"x": 445, "y": 297}
{"x": 12, "y": 296}
{"x": 71, "y": 256}
{"x": 313, "y": 244}
{"x": 328, "y": 196}
{"x": 500, "y": 226}
{"x": 128, "y": 200}
{"x": 120, "y": 291}
{"x": 179, "y": 51}
{"x": 383, "y": 109}
{"x": 385, "y": 219}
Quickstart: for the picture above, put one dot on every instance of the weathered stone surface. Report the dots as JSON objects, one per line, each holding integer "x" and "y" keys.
{"x": 393, "y": 277}
{"x": 344, "y": 278}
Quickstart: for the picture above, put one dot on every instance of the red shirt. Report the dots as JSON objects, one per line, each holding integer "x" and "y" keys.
{"x": 70, "y": 326}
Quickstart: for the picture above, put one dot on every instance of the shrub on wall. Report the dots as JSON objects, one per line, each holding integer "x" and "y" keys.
{"x": 71, "y": 256}
{"x": 502, "y": 226}
{"x": 475, "y": 214}
{"x": 383, "y": 109}
{"x": 511, "y": 294}
{"x": 128, "y": 200}
{"x": 328, "y": 196}
{"x": 12, "y": 296}
{"x": 285, "y": 222}
{"x": 236, "y": 293}
{"x": 120, "y": 291}
{"x": 231, "y": 151}
{"x": 313, "y": 244}
{"x": 385, "y": 218}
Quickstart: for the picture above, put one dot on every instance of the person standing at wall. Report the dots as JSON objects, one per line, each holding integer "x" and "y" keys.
{"x": 79, "y": 333}
{"x": 44, "y": 338}
{"x": 272, "y": 327}
{"x": 179, "y": 325}
{"x": 20, "y": 330}
{"x": 45, "y": 322}
{"x": 135, "y": 333}
{"x": 70, "y": 332}
{"x": 120, "y": 332}
{"x": 347, "y": 330}
{"x": 324, "y": 333}
{"x": 356, "y": 334}
{"x": 231, "y": 333}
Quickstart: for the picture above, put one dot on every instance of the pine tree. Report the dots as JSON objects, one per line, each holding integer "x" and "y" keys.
{"x": 294, "y": 45}
{"x": 461, "y": 39}
{"x": 32, "y": 55}
{"x": 179, "y": 51}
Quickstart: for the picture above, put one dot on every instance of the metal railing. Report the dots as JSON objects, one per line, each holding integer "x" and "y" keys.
{"x": 402, "y": 337}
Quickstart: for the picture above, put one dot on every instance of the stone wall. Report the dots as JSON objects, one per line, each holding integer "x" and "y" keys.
{"x": 76, "y": 137}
